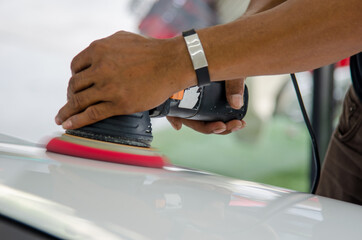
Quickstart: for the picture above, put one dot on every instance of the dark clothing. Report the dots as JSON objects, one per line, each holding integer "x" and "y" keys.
{"x": 356, "y": 73}
{"x": 342, "y": 170}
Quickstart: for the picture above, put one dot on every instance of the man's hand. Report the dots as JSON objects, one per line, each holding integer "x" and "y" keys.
{"x": 123, "y": 74}
{"x": 234, "y": 95}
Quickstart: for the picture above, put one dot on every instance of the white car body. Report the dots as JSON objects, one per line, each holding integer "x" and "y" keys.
{"x": 75, "y": 198}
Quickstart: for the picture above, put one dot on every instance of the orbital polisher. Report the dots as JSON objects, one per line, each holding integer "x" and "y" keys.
{"x": 127, "y": 139}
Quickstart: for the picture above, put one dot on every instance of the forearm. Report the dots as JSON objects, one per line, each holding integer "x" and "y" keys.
{"x": 295, "y": 36}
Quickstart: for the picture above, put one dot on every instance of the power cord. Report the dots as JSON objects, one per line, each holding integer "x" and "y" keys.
{"x": 316, "y": 160}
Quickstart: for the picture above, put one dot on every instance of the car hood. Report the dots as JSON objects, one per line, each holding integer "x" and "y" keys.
{"x": 76, "y": 198}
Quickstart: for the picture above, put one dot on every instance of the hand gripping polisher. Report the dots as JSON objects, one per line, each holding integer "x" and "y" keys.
{"x": 127, "y": 139}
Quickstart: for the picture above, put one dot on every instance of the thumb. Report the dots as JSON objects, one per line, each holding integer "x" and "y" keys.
{"x": 176, "y": 122}
{"x": 234, "y": 92}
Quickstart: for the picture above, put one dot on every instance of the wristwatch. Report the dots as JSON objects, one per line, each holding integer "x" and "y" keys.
{"x": 198, "y": 57}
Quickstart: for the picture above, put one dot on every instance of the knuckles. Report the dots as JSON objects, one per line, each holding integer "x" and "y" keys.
{"x": 73, "y": 64}
{"x": 98, "y": 46}
{"x": 76, "y": 101}
{"x": 72, "y": 85}
{"x": 93, "y": 114}
{"x": 94, "y": 44}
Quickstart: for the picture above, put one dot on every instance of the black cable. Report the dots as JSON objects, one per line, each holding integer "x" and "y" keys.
{"x": 316, "y": 160}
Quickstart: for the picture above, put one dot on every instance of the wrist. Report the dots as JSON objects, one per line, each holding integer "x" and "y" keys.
{"x": 179, "y": 63}
{"x": 198, "y": 58}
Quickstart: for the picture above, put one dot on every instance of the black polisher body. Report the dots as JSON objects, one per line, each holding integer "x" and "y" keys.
{"x": 134, "y": 130}
{"x": 209, "y": 104}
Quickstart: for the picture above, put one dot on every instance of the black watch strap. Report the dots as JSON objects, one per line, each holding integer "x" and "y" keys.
{"x": 197, "y": 56}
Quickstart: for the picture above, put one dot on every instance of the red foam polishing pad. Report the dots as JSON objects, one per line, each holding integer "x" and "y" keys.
{"x": 108, "y": 152}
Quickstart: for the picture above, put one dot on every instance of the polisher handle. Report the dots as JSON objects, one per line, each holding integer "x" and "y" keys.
{"x": 207, "y": 103}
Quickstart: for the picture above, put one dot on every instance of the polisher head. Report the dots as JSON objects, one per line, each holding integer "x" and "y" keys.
{"x": 134, "y": 130}
{"x": 122, "y": 139}
{"x": 106, "y": 151}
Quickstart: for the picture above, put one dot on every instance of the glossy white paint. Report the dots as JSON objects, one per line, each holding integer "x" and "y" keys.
{"x": 84, "y": 199}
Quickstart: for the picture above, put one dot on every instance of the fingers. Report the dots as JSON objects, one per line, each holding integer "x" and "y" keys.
{"x": 234, "y": 92}
{"x": 77, "y": 103}
{"x": 81, "y": 62}
{"x": 175, "y": 122}
{"x": 234, "y": 125}
{"x": 205, "y": 127}
{"x": 200, "y": 126}
{"x": 91, "y": 115}
{"x": 80, "y": 81}
{"x": 208, "y": 127}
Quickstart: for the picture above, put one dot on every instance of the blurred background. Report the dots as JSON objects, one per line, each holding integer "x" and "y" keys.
{"x": 39, "y": 38}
